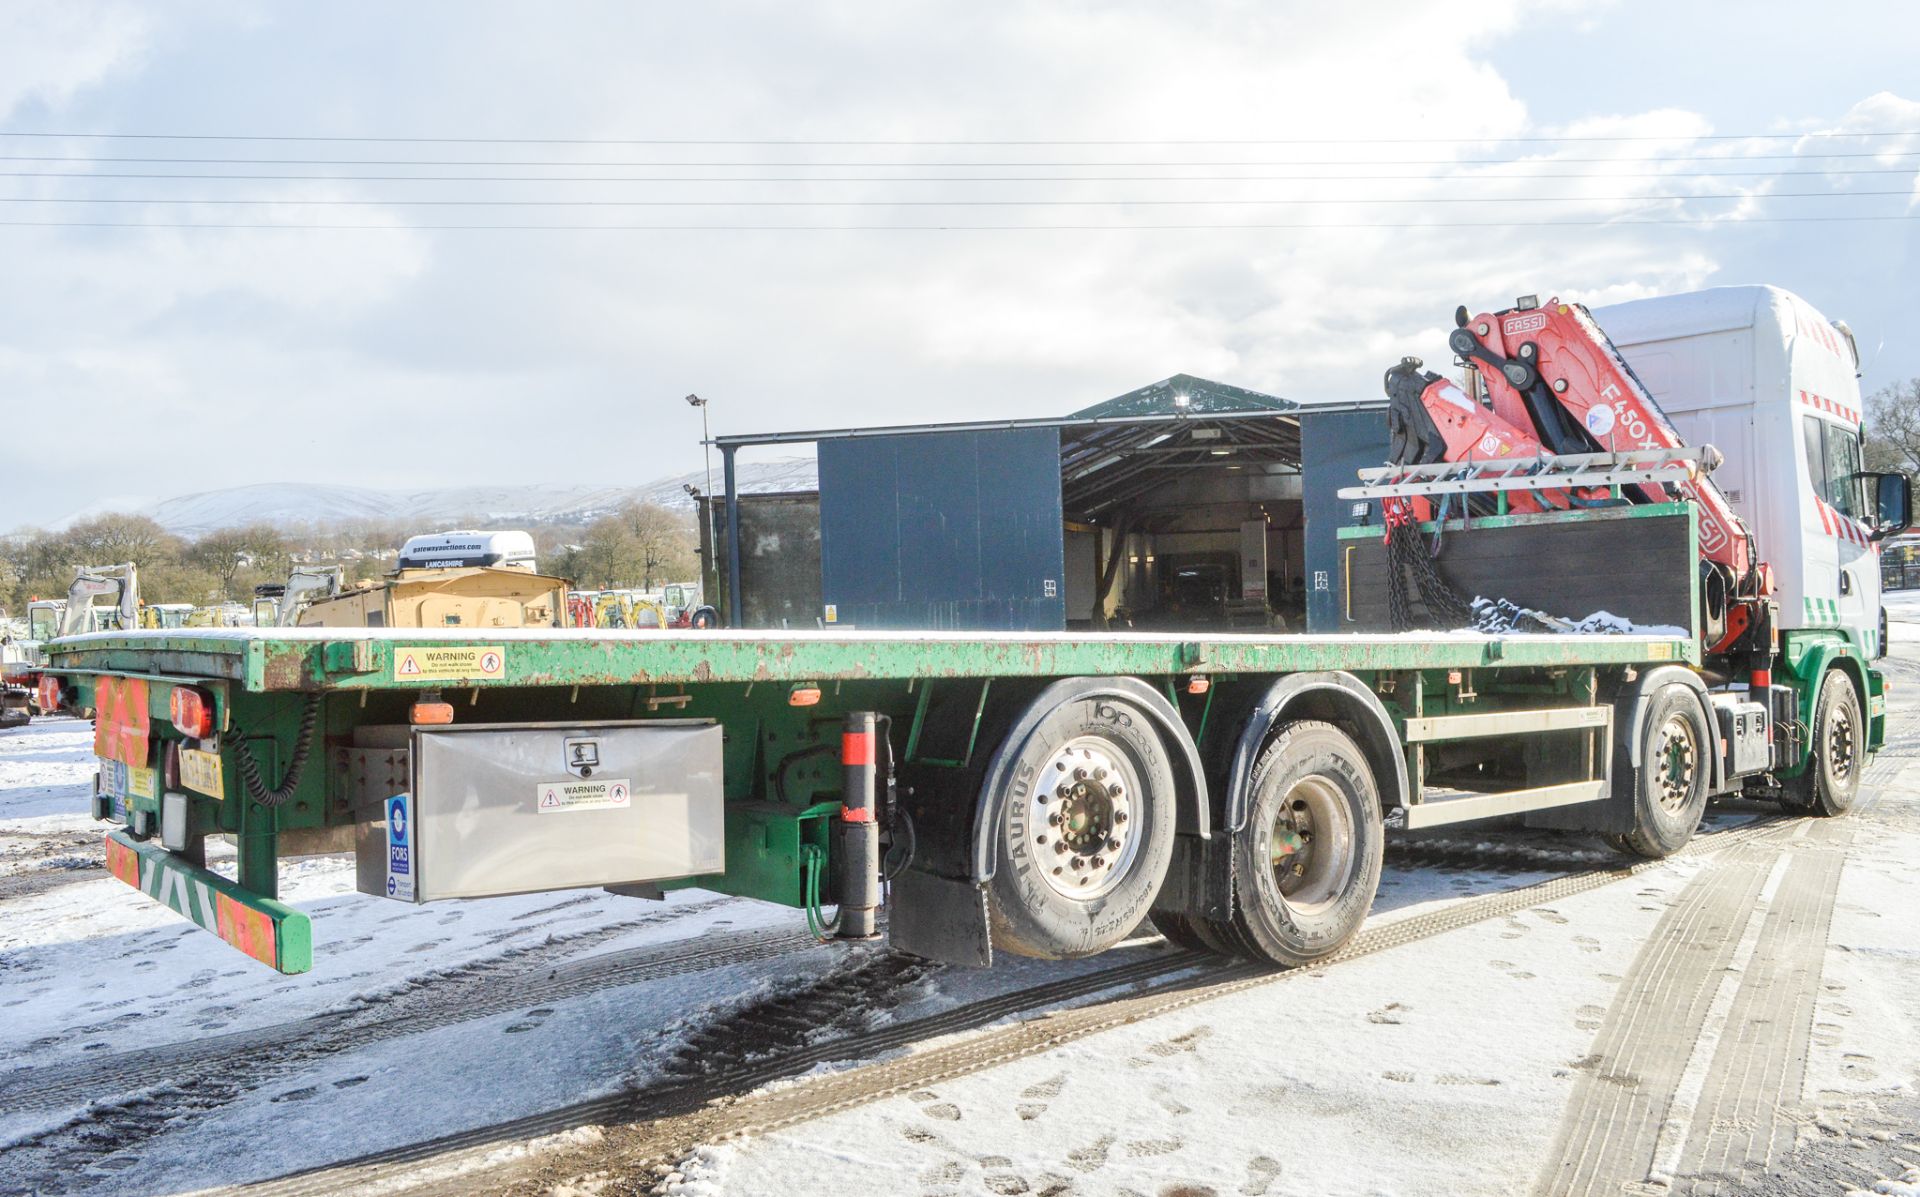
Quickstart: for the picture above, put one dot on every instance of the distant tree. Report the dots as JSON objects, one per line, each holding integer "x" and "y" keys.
{"x": 1893, "y": 427}
{"x": 257, "y": 549}
{"x": 640, "y": 544}
{"x": 115, "y": 537}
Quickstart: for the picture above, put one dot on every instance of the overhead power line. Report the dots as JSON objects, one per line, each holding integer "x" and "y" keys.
{"x": 688, "y": 141}
{"x": 940, "y": 203}
{"x": 576, "y": 163}
{"x": 925, "y": 228}
{"x": 1317, "y": 178}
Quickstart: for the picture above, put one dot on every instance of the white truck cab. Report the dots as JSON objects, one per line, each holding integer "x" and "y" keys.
{"x": 1760, "y": 375}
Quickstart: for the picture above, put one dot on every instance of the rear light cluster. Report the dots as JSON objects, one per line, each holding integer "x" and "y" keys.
{"x": 191, "y": 711}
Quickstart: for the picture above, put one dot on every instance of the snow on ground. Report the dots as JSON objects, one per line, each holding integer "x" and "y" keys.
{"x": 46, "y": 775}
{"x": 1395, "y": 1067}
{"x": 1903, "y": 606}
{"x": 1439, "y": 1066}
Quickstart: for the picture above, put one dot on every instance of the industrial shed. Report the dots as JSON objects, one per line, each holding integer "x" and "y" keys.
{"x": 1177, "y": 505}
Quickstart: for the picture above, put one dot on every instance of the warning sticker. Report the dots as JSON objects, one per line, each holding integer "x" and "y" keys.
{"x": 121, "y": 782}
{"x": 200, "y": 771}
{"x": 462, "y": 663}
{"x": 552, "y": 797}
{"x": 400, "y": 847}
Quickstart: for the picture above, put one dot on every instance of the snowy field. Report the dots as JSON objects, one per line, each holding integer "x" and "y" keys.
{"x": 141, "y": 1055}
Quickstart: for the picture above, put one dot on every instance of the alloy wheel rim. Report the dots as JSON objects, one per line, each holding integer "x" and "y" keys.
{"x": 1840, "y": 747}
{"x": 1083, "y": 818}
{"x": 1678, "y": 757}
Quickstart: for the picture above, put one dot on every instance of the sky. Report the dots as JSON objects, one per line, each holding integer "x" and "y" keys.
{"x": 137, "y": 363}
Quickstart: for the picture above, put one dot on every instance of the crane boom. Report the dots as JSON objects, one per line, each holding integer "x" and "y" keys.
{"x": 1551, "y": 368}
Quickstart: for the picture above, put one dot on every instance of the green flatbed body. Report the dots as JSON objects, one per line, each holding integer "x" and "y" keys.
{"x": 351, "y": 659}
{"x": 274, "y": 690}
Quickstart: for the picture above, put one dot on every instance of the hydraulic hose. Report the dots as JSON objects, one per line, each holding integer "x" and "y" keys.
{"x": 290, "y": 781}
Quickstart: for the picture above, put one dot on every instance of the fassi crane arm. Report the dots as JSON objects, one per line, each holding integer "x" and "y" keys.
{"x": 1557, "y": 386}
{"x": 1553, "y": 370}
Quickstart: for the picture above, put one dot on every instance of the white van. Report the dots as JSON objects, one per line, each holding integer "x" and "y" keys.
{"x": 451, "y": 550}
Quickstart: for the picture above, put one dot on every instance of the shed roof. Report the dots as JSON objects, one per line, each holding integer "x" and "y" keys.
{"x": 1117, "y": 450}
{"x": 1202, "y": 396}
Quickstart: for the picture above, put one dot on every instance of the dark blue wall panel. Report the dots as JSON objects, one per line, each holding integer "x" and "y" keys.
{"x": 1334, "y": 445}
{"x": 956, "y": 530}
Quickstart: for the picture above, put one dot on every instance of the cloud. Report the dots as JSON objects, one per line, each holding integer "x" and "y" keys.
{"x": 52, "y": 49}
{"x": 427, "y": 357}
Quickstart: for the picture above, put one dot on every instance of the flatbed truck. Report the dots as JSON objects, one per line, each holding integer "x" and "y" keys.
{"x": 1034, "y": 793}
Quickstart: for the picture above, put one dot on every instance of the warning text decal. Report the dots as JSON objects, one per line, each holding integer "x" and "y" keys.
{"x": 452, "y": 663}
{"x": 551, "y": 798}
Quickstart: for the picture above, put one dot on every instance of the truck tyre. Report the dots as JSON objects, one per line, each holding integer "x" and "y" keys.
{"x": 1307, "y": 863}
{"x": 1831, "y": 781}
{"x": 1195, "y": 934}
{"x": 1178, "y": 930}
{"x": 1669, "y": 779}
{"x": 1086, "y": 833}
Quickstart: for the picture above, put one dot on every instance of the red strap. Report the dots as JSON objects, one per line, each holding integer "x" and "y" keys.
{"x": 856, "y": 748}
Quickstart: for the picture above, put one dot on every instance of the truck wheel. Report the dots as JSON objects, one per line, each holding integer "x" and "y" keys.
{"x": 1086, "y": 833}
{"x": 1670, "y": 777}
{"x": 1308, "y": 861}
{"x": 1178, "y": 930}
{"x": 1832, "y": 778}
{"x": 1195, "y": 934}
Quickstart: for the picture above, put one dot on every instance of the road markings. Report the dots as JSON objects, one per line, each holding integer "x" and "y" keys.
{"x": 1701, "y": 1059}
{"x": 1679, "y": 1122}
{"x": 1746, "y": 1119}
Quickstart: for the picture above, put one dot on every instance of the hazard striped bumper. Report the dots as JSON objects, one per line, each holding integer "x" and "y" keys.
{"x": 271, "y": 932}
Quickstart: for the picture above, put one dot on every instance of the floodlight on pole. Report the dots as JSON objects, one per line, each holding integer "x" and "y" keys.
{"x": 706, "y": 446}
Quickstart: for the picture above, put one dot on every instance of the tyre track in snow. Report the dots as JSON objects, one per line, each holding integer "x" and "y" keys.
{"x": 652, "y": 1127}
{"x": 1743, "y": 1125}
{"x": 1732, "y": 968}
{"x": 42, "y": 860}
{"x": 132, "y": 1096}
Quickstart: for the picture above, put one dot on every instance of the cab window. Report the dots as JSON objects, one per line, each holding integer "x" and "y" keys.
{"x": 40, "y": 624}
{"x": 1843, "y": 471}
{"x": 1833, "y": 464}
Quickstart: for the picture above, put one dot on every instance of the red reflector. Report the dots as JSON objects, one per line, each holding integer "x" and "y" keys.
{"x": 1760, "y": 680}
{"x": 849, "y": 814}
{"x": 1198, "y": 685}
{"x": 856, "y": 748}
{"x": 803, "y": 696}
{"x": 49, "y": 697}
{"x": 191, "y": 712}
{"x": 431, "y": 713}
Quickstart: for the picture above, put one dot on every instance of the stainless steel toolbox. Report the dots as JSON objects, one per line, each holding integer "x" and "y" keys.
{"x": 512, "y": 808}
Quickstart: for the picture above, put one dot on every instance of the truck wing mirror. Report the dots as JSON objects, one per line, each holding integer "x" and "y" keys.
{"x": 1893, "y": 505}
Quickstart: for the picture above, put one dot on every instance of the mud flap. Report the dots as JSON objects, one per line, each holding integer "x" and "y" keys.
{"x": 1199, "y": 878}
{"x": 940, "y": 918}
